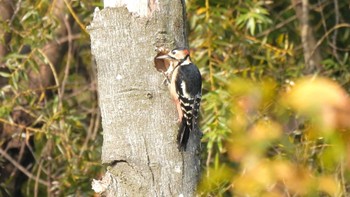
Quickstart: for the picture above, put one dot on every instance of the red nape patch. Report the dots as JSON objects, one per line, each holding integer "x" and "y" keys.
{"x": 186, "y": 52}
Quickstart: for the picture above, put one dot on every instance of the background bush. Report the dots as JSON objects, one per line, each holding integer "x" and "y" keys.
{"x": 268, "y": 130}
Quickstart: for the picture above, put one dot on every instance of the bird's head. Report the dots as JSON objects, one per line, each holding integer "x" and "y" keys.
{"x": 178, "y": 54}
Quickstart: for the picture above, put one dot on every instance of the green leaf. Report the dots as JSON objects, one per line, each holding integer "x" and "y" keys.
{"x": 5, "y": 74}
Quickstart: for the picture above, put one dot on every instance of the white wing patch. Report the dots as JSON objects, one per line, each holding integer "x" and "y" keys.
{"x": 185, "y": 93}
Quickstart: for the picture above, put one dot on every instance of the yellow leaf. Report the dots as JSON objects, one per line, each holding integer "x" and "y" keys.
{"x": 201, "y": 10}
{"x": 319, "y": 98}
{"x": 329, "y": 185}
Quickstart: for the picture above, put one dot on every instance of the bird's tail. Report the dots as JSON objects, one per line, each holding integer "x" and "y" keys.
{"x": 183, "y": 134}
{"x": 188, "y": 124}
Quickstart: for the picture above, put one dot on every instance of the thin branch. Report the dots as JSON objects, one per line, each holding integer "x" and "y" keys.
{"x": 15, "y": 12}
{"x": 70, "y": 37}
{"x": 323, "y": 17}
{"x": 52, "y": 67}
{"x": 21, "y": 168}
{"x": 88, "y": 135}
{"x": 68, "y": 62}
{"x": 76, "y": 18}
{"x": 37, "y": 179}
{"x": 319, "y": 42}
{"x": 335, "y": 35}
{"x": 97, "y": 123}
{"x": 20, "y": 126}
{"x": 278, "y": 26}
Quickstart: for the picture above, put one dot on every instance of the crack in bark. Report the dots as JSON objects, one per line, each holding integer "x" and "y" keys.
{"x": 149, "y": 162}
{"x": 127, "y": 90}
{"x": 171, "y": 192}
{"x": 115, "y": 162}
{"x": 183, "y": 170}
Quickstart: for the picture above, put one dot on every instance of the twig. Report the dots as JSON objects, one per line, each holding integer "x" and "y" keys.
{"x": 319, "y": 42}
{"x": 207, "y": 163}
{"x": 52, "y": 67}
{"x": 69, "y": 58}
{"x": 76, "y": 18}
{"x": 19, "y": 126}
{"x": 97, "y": 123}
{"x": 21, "y": 168}
{"x": 323, "y": 17}
{"x": 278, "y": 26}
{"x": 89, "y": 134}
{"x": 15, "y": 12}
{"x": 37, "y": 178}
{"x": 335, "y": 35}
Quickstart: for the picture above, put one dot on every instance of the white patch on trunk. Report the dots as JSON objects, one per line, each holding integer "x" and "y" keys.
{"x": 119, "y": 77}
{"x": 138, "y": 7}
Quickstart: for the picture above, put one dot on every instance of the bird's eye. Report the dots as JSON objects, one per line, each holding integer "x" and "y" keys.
{"x": 173, "y": 52}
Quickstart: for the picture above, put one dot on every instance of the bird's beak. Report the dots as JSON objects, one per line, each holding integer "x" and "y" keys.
{"x": 163, "y": 57}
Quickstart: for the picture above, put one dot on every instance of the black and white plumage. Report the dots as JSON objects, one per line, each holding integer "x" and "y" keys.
{"x": 186, "y": 89}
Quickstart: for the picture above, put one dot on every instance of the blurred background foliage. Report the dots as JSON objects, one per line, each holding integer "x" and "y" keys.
{"x": 49, "y": 117}
{"x": 274, "y": 123}
{"x": 275, "y": 110}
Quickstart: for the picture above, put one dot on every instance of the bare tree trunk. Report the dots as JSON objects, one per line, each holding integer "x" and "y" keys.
{"x": 138, "y": 117}
{"x": 312, "y": 54}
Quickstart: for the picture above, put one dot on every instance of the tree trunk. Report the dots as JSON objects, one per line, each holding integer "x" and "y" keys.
{"x": 312, "y": 54}
{"x": 138, "y": 117}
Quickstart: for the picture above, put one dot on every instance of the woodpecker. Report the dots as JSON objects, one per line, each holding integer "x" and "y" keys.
{"x": 186, "y": 90}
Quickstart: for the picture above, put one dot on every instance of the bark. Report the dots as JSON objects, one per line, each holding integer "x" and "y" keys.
{"x": 138, "y": 117}
{"x": 312, "y": 54}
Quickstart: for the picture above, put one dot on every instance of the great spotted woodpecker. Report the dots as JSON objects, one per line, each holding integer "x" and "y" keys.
{"x": 186, "y": 90}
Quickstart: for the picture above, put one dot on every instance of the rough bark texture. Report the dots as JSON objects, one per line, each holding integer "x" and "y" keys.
{"x": 138, "y": 117}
